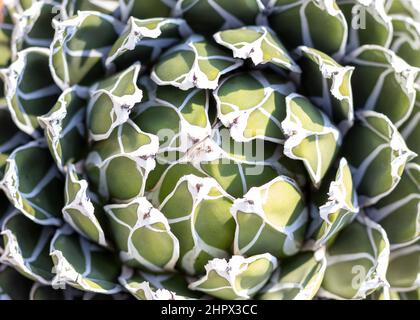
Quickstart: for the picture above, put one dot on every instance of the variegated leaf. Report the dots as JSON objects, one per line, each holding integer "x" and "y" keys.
{"x": 271, "y": 218}
{"x": 409, "y": 8}
{"x": 410, "y": 130}
{"x": 399, "y": 212}
{"x": 28, "y": 95}
{"x": 111, "y": 102}
{"x": 143, "y": 236}
{"x": 26, "y": 247}
{"x": 78, "y": 54}
{"x": 83, "y": 265}
{"x": 356, "y": 268}
{"x": 64, "y": 127}
{"x": 38, "y": 195}
{"x": 239, "y": 278}
{"x": 146, "y": 8}
{"x": 406, "y": 40}
{"x": 311, "y": 137}
{"x": 198, "y": 213}
{"x": 379, "y": 159}
{"x": 383, "y": 82}
{"x": 13, "y": 286}
{"x": 145, "y": 40}
{"x": 70, "y": 8}
{"x": 259, "y": 43}
{"x": 253, "y": 105}
{"x": 194, "y": 63}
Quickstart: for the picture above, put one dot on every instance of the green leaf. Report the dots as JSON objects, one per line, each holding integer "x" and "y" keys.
{"x": 13, "y": 286}
{"x": 146, "y": 8}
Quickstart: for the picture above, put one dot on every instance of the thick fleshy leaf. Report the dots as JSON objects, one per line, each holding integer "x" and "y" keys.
{"x": 145, "y": 40}
{"x": 383, "y": 82}
{"x": 379, "y": 158}
{"x": 258, "y": 43}
{"x": 368, "y": 23}
{"x": 83, "y": 265}
{"x": 410, "y": 130}
{"x": 26, "y": 247}
{"x": 399, "y": 212}
{"x": 143, "y": 236}
{"x": 271, "y": 218}
{"x": 146, "y": 8}
{"x": 319, "y": 24}
{"x": 337, "y": 206}
{"x": 28, "y": 95}
{"x": 77, "y": 53}
{"x": 311, "y": 137}
{"x": 237, "y": 279}
{"x": 10, "y": 137}
{"x": 183, "y": 117}
{"x": 64, "y": 127}
{"x": 82, "y": 210}
{"x": 13, "y": 286}
{"x": 409, "y": 8}
{"x": 253, "y": 105}
{"x": 358, "y": 267}
{"x": 198, "y": 212}
{"x": 146, "y": 286}
{"x": 33, "y": 28}
{"x": 119, "y": 165}
{"x": 209, "y": 16}
{"x": 6, "y": 28}
{"x": 38, "y": 195}
{"x": 403, "y": 271}
{"x": 111, "y": 102}
{"x": 328, "y": 85}
{"x": 297, "y": 278}
{"x": 194, "y": 63}
{"x": 406, "y": 41}
{"x": 70, "y": 8}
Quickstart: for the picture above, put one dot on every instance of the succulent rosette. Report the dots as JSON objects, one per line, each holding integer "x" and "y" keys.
{"x": 209, "y": 149}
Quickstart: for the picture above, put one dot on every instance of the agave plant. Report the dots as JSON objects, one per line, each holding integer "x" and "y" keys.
{"x": 201, "y": 149}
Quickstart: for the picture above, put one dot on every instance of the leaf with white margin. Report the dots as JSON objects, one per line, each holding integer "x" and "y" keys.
{"x": 409, "y": 8}
{"x": 378, "y": 159}
{"x": 6, "y": 28}
{"x": 82, "y": 209}
{"x": 259, "y": 43}
{"x": 368, "y": 23}
{"x": 64, "y": 127}
{"x": 34, "y": 187}
{"x": 270, "y": 219}
{"x": 399, "y": 212}
{"x": 10, "y": 137}
{"x": 26, "y": 247}
{"x": 253, "y": 105}
{"x": 13, "y": 286}
{"x": 83, "y": 265}
{"x": 118, "y": 166}
{"x": 18, "y": 6}
{"x": 198, "y": 213}
{"x": 311, "y": 137}
{"x": 237, "y": 167}
{"x": 143, "y": 236}
{"x": 183, "y": 115}
{"x": 319, "y": 24}
{"x": 383, "y": 82}
{"x": 33, "y": 26}
{"x": 297, "y": 278}
{"x": 403, "y": 271}
{"x": 28, "y": 95}
{"x": 406, "y": 40}
{"x": 78, "y": 54}
{"x": 145, "y": 40}
{"x": 147, "y": 286}
{"x": 209, "y": 16}
{"x": 328, "y": 85}
{"x": 410, "y": 130}
{"x": 70, "y": 8}
{"x": 338, "y": 206}
{"x": 239, "y": 278}
{"x": 194, "y": 63}
{"x": 358, "y": 267}
{"x": 146, "y": 8}
{"x": 111, "y": 102}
